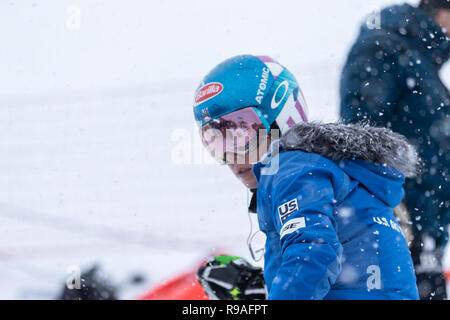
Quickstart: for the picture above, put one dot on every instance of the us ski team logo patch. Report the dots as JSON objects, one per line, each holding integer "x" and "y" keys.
{"x": 292, "y": 225}
{"x": 286, "y": 209}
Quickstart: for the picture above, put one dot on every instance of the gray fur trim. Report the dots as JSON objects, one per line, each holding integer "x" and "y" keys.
{"x": 339, "y": 141}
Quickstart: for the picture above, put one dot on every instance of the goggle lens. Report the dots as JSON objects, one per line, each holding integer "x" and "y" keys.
{"x": 235, "y": 136}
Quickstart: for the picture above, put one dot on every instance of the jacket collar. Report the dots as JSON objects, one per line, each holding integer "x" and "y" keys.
{"x": 338, "y": 141}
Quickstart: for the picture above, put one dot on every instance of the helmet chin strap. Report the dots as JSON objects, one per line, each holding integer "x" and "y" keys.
{"x": 257, "y": 254}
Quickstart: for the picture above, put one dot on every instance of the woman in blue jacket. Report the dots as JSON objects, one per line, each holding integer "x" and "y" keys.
{"x": 325, "y": 192}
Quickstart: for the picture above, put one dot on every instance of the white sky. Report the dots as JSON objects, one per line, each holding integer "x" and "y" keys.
{"x": 117, "y": 43}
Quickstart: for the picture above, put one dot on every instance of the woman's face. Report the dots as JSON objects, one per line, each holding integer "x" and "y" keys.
{"x": 238, "y": 139}
{"x": 244, "y": 173}
{"x": 242, "y": 166}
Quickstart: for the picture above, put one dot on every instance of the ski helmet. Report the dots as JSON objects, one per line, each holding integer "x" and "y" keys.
{"x": 251, "y": 81}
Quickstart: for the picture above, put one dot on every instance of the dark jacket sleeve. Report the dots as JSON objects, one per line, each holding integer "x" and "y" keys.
{"x": 371, "y": 82}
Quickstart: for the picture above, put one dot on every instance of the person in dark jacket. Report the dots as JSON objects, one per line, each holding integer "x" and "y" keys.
{"x": 391, "y": 78}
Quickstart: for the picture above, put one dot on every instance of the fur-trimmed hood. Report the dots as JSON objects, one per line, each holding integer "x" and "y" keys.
{"x": 338, "y": 141}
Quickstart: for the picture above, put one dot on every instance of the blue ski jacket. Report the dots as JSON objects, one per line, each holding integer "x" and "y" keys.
{"x": 325, "y": 201}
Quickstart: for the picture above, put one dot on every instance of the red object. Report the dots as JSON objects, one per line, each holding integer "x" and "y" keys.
{"x": 447, "y": 275}
{"x": 182, "y": 287}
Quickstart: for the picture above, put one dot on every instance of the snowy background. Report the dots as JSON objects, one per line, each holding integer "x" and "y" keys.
{"x": 93, "y": 97}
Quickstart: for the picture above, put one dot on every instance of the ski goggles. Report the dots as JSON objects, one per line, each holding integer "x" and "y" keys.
{"x": 235, "y": 136}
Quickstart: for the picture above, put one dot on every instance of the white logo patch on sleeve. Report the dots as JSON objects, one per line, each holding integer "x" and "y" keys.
{"x": 286, "y": 209}
{"x": 292, "y": 226}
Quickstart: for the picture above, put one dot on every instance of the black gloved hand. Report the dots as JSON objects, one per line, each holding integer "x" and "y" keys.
{"x": 93, "y": 287}
{"x": 232, "y": 278}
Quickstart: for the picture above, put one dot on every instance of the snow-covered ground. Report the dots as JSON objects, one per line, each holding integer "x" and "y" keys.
{"x": 93, "y": 98}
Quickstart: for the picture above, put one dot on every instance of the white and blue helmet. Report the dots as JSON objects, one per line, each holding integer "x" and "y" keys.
{"x": 251, "y": 81}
